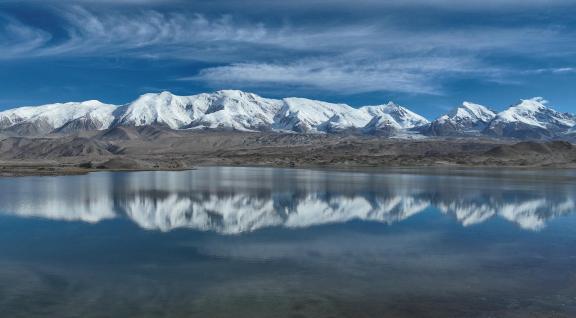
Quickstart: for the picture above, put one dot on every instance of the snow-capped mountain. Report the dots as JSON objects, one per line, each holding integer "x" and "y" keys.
{"x": 228, "y": 110}
{"x": 236, "y": 110}
{"x": 468, "y": 118}
{"x": 221, "y": 110}
{"x": 240, "y": 111}
{"x": 530, "y": 119}
{"x": 306, "y": 115}
{"x": 159, "y": 109}
{"x": 66, "y": 117}
{"x": 404, "y": 117}
{"x": 383, "y": 125}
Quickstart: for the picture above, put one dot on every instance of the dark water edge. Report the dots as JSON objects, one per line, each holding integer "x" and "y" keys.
{"x": 307, "y": 245}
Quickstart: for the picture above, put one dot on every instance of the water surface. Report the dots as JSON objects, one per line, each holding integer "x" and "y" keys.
{"x": 265, "y": 242}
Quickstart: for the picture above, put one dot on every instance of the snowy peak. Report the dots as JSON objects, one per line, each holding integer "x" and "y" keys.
{"x": 472, "y": 112}
{"x": 158, "y": 109}
{"x": 222, "y": 110}
{"x": 48, "y": 118}
{"x": 337, "y": 123}
{"x": 534, "y": 112}
{"x": 236, "y": 110}
{"x": 228, "y": 109}
{"x": 401, "y": 115}
{"x": 532, "y": 104}
{"x": 235, "y": 101}
{"x": 527, "y": 119}
{"x": 525, "y": 111}
{"x": 306, "y": 115}
{"x": 466, "y": 119}
{"x": 382, "y": 125}
{"x": 531, "y": 118}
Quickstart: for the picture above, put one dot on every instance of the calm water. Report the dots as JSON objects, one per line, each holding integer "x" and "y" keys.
{"x": 254, "y": 242}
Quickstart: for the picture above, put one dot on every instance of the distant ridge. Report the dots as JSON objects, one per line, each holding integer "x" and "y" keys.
{"x": 234, "y": 110}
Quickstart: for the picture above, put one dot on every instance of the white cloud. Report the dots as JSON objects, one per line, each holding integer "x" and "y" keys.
{"x": 146, "y": 33}
{"x": 342, "y": 75}
{"x": 347, "y": 58}
{"x": 304, "y": 4}
{"x": 194, "y": 36}
{"x": 18, "y": 38}
{"x": 560, "y": 70}
{"x": 551, "y": 70}
{"x": 449, "y": 4}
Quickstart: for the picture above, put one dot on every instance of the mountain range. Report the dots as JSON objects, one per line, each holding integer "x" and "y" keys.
{"x": 233, "y": 110}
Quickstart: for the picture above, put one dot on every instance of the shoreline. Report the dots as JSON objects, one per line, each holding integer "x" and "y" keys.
{"x": 73, "y": 155}
{"x": 8, "y": 170}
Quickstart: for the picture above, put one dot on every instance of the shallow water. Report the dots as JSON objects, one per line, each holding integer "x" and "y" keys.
{"x": 265, "y": 242}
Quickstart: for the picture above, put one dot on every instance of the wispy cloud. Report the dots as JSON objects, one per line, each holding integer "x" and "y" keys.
{"x": 18, "y": 38}
{"x": 342, "y": 75}
{"x": 552, "y": 70}
{"x": 358, "y": 4}
{"x": 147, "y": 33}
{"x": 194, "y": 36}
{"x": 347, "y": 58}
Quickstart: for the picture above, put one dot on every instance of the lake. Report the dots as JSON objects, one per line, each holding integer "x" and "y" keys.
{"x": 268, "y": 242}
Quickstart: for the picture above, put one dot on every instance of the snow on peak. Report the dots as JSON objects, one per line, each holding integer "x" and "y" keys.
{"x": 234, "y": 93}
{"x": 54, "y": 116}
{"x": 466, "y": 119}
{"x": 336, "y": 123}
{"x": 306, "y": 115}
{"x": 162, "y": 108}
{"x": 532, "y": 104}
{"x": 243, "y": 111}
{"x": 383, "y": 123}
{"x": 470, "y": 113}
{"x": 237, "y": 110}
{"x": 92, "y": 103}
{"x": 534, "y": 112}
{"x": 404, "y": 117}
{"x": 538, "y": 99}
{"x": 225, "y": 109}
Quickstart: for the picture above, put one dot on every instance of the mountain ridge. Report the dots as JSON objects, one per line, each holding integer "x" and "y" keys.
{"x": 236, "y": 110}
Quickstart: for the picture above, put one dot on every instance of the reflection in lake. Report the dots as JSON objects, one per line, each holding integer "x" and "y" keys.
{"x": 256, "y": 242}
{"x": 237, "y": 200}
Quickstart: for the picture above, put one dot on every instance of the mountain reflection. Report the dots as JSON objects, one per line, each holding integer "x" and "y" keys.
{"x": 238, "y": 200}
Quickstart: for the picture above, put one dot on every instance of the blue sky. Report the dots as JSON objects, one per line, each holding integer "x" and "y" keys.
{"x": 429, "y": 55}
